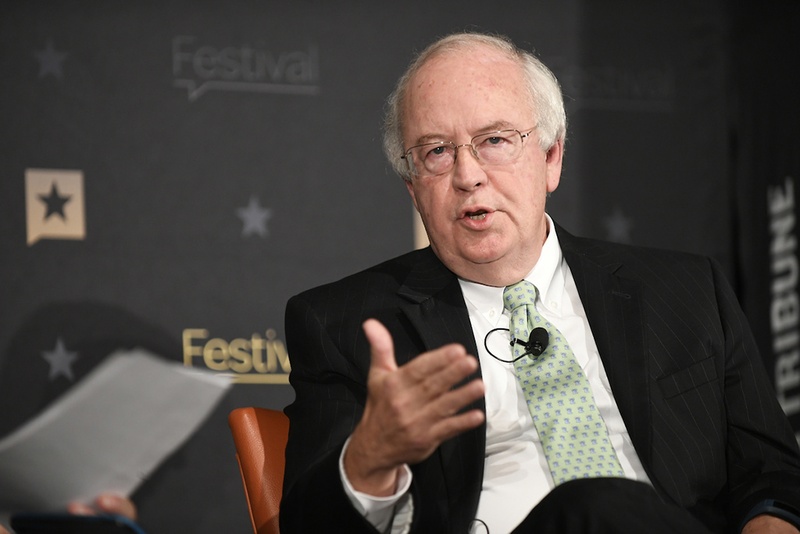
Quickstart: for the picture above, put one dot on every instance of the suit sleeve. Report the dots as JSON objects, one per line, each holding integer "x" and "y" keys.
{"x": 762, "y": 455}
{"x": 329, "y": 400}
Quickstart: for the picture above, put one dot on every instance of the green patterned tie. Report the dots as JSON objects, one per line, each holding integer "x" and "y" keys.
{"x": 573, "y": 433}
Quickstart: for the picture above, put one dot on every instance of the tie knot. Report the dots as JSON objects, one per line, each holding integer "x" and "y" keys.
{"x": 519, "y": 294}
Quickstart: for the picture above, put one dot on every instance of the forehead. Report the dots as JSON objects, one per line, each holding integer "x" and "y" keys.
{"x": 464, "y": 91}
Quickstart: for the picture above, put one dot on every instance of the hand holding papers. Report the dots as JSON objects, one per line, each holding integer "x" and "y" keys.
{"x": 107, "y": 433}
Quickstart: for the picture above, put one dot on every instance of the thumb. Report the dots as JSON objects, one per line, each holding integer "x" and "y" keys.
{"x": 381, "y": 346}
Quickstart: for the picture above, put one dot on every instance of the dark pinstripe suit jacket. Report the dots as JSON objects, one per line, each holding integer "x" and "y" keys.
{"x": 679, "y": 356}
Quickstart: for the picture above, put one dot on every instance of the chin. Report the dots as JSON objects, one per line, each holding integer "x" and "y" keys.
{"x": 483, "y": 257}
{"x": 486, "y": 250}
{"x": 483, "y": 251}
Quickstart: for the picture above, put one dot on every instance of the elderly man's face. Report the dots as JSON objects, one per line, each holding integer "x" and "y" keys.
{"x": 485, "y": 222}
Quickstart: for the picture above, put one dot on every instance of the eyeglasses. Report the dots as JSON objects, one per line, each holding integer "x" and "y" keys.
{"x": 492, "y": 148}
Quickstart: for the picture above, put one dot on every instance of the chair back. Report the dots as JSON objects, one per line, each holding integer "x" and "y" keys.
{"x": 259, "y": 436}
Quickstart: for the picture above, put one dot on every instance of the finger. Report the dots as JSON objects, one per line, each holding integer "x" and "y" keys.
{"x": 116, "y": 504}
{"x": 439, "y": 365}
{"x": 453, "y": 366}
{"x": 450, "y": 403}
{"x": 381, "y": 346}
{"x": 107, "y": 503}
{"x": 457, "y": 424}
{"x": 79, "y": 508}
{"x": 438, "y": 420}
{"x": 433, "y": 374}
{"x": 444, "y": 419}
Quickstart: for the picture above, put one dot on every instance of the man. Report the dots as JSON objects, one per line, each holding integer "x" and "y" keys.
{"x": 397, "y": 427}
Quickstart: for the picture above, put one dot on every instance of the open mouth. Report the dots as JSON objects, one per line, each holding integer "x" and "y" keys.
{"x": 477, "y": 215}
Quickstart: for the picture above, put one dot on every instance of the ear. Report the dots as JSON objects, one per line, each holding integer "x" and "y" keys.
{"x": 410, "y": 187}
{"x": 553, "y": 160}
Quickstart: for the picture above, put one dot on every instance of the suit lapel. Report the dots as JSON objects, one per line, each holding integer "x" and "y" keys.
{"x": 614, "y": 309}
{"x": 435, "y": 305}
{"x": 437, "y": 310}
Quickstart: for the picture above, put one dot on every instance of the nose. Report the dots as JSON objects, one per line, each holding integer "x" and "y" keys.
{"x": 468, "y": 173}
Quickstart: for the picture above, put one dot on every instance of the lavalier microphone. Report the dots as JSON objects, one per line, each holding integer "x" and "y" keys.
{"x": 537, "y": 343}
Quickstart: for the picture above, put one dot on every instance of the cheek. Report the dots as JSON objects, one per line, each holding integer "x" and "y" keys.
{"x": 537, "y": 184}
{"x": 412, "y": 193}
{"x": 431, "y": 201}
{"x": 422, "y": 204}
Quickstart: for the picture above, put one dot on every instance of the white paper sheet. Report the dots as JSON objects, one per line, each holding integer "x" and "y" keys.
{"x": 107, "y": 433}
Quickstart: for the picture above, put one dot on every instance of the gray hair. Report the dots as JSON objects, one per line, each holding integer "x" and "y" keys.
{"x": 545, "y": 92}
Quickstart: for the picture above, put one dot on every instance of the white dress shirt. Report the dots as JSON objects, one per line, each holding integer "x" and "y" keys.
{"x": 516, "y": 474}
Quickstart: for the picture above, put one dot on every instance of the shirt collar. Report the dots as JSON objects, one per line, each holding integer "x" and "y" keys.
{"x": 548, "y": 273}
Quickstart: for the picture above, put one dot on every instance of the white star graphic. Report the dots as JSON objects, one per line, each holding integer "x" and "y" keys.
{"x": 255, "y": 218}
{"x": 60, "y": 360}
{"x": 50, "y": 61}
{"x": 618, "y": 226}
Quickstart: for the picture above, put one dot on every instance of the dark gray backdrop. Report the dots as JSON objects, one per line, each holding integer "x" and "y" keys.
{"x": 182, "y": 114}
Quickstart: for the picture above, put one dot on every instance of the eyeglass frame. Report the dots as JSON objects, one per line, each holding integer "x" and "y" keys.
{"x": 410, "y": 162}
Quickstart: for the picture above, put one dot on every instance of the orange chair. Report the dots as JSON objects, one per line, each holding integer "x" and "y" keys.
{"x": 260, "y": 435}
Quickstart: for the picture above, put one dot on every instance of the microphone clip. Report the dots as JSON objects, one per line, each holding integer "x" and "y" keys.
{"x": 537, "y": 343}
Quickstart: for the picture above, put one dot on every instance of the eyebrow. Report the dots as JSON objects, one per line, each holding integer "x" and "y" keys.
{"x": 491, "y": 127}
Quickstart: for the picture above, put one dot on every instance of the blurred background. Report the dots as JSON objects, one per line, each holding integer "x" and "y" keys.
{"x": 172, "y": 172}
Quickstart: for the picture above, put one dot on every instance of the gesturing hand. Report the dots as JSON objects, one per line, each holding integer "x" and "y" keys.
{"x": 410, "y": 410}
